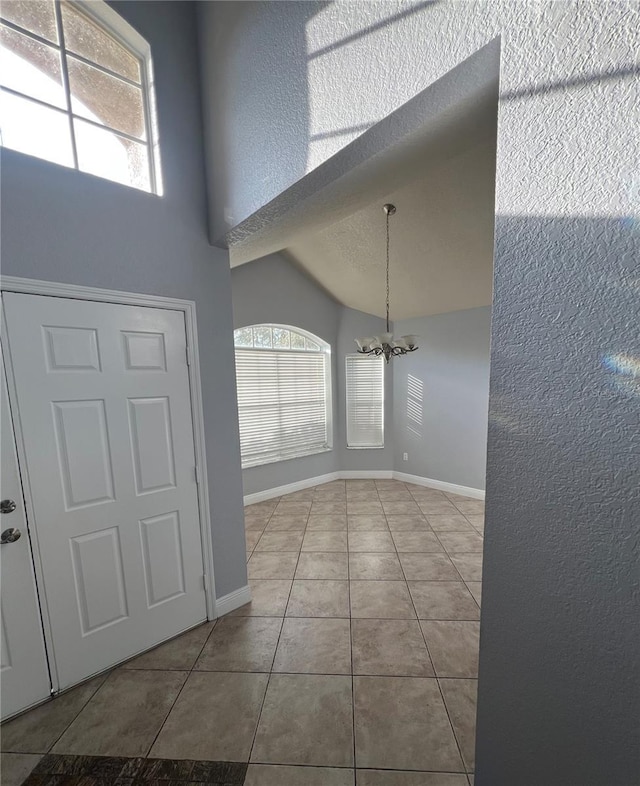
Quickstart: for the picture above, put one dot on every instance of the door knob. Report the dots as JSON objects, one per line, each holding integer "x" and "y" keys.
{"x": 10, "y": 535}
{"x": 7, "y": 506}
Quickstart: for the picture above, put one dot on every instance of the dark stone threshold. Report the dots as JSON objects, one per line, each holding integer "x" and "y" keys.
{"x": 64, "y": 770}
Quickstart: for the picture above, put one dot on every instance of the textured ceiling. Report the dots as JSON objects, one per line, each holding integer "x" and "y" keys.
{"x": 442, "y": 184}
{"x": 441, "y": 241}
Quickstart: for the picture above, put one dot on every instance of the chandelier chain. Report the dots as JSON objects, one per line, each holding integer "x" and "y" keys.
{"x": 387, "y": 271}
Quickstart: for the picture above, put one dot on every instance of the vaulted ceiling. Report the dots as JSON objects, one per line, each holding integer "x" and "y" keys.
{"x": 441, "y": 235}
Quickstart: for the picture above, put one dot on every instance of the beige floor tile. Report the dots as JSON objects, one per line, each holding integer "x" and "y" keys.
{"x": 325, "y": 541}
{"x": 381, "y": 600}
{"x": 389, "y": 485}
{"x": 401, "y": 723}
{"x": 284, "y": 523}
{"x": 476, "y": 521}
{"x": 293, "y": 509}
{"x": 379, "y": 566}
{"x": 179, "y": 654}
{"x": 395, "y": 495}
{"x": 225, "y": 708}
{"x": 371, "y": 542}
{"x": 469, "y": 566}
{"x": 321, "y": 565}
{"x": 266, "y": 506}
{"x": 422, "y": 493}
{"x": 389, "y": 647}
{"x": 400, "y": 778}
{"x": 14, "y": 767}
{"x": 449, "y": 522}
{"x": 327, "y": 522}
{"x": 280, "y": 541}
{"x": 371, "y": 522}
{"x": 124, "y": 716}
{"x": 241, "y": 644}
{"x": 304, "y": 495}
{"x": 475, "y": 588}
{"x": 329, "y": 495}
{"x": 38, "y": 729}
{"x": 418, "y": 566}
{"x": 272, "y": 565}
{"x": 408, "y": 523}
{"x": 400, "y": 507}
{"x": 453, "y": 646}
{"x": 256, "y": 525}
{"x": 306, "y": 719}
{"x": 434, "y": 506}
{"x": 460, "y": 697}
{"x": 359, "y": 507}
{"x": 268, "y": 599}
{"x": 329, "y": 505}
{"x": 249, "y": 553}
{"x": 314, "y": 646}
{"x": 322, "y": 598}
{"x": 281, "y": 775}
{"x": 417, "y": 541}
{"x": 251, "y": 539}
{"x": 469, "y": 506}
{"x": 461, "y": 541}
{"x": 443, "y": 600}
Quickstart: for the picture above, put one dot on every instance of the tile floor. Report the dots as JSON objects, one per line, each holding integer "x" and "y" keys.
{"x": 355, "y": 662}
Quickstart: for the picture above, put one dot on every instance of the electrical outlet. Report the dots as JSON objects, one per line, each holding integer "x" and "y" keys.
{"x": 405, "y": 457}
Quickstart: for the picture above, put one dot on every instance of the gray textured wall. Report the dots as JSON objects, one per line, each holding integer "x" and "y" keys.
{"x": 62, "y": 225}
{"x": 441, "y": 398}
{"x": 273, "y": 289}
{"x": 558, "y": 696}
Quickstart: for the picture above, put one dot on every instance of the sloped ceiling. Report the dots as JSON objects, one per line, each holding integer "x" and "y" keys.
{"x": 441, "y": 236}
{"x": 441, "y": 241}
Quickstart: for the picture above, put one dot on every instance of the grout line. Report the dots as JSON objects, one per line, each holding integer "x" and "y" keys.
{"x": 189, "y": 672}
{"x": 275, "y": 651}
{"x": 353, "y": 684}
{"x": 75, "y": 717}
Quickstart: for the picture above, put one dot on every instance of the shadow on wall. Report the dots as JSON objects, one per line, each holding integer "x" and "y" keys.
{"x": 562, "y": 497}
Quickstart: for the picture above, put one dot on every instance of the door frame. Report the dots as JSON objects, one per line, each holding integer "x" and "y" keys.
{"x": 188, "y": 308}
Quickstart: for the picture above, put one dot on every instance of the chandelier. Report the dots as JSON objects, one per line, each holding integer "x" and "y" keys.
{"x": 385, "y": 344}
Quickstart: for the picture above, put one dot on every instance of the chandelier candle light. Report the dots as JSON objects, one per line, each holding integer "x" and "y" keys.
{"x": 385, "y": 344}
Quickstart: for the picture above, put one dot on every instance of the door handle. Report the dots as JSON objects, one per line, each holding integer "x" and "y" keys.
{"x": 7, "y": 506}
{"x": 10, "y": 535}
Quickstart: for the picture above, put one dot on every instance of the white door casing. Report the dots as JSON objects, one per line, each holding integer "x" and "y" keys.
{"x": 24, "y": 675}
{"x": 102, "y": 391}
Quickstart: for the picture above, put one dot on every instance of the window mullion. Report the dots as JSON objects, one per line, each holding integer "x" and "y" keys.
{"x": 65, "y": 81}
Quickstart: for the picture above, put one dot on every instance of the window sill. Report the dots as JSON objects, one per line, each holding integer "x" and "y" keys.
{"x": 280, "y": 459}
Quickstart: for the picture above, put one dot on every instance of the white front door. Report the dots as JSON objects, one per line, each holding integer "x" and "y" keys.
{"x": 103, "y": 399}
{"x": 24, "y": 676}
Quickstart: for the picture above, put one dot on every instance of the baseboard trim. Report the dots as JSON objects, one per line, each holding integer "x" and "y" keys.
{"x": 440, "y": 485}
{"x": 299, "y": 485}
{"x": 364, "y": 474}
{"x": 232, "y": 601}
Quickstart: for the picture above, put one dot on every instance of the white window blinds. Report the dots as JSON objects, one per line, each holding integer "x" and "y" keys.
{"x": 365, "y": 401}
{"x": 283, "y": 402}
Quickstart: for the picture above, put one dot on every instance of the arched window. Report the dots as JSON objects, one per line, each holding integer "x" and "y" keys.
{"x": 77, "y": 89}
{"x": 284, "y": 393}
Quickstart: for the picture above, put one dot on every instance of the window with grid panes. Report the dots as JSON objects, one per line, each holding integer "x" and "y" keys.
{"x": 284, "y": 393}
{"x": 76, "y": 89}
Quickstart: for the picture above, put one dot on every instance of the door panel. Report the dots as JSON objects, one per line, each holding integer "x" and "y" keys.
{"x": 23, "y": 666}
{"x": 103, "y": 395}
